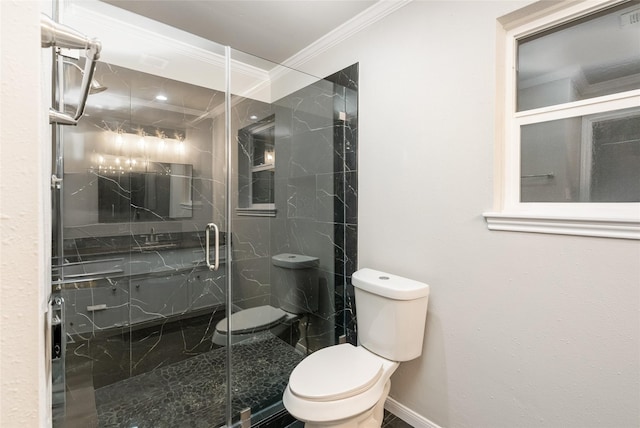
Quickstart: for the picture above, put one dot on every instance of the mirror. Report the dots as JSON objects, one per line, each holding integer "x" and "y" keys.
{"x": 162, "y": 192}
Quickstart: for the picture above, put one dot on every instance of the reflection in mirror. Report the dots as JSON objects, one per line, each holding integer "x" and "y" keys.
{"x": 163, "y": 192}
{"x": 128, "y": 140}
{"x": 586, "y": 58}
{"x": 592, "y": 158}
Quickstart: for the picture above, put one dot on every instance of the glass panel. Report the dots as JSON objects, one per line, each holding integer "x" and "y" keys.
{"x": 615, "y": 164}
{"x": 138, "y": 190}
{"x": 583, "y": 159}
{"x": 146, "y": 342}
{"x": 294, "y": 144}
{"x": 590, "y": 57}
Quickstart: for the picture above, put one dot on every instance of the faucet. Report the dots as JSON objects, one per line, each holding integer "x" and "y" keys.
{"x": 152, "y": 236}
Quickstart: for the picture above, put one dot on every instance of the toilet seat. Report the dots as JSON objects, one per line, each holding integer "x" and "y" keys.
{"x": 335, "y": 373}
{"x": 250, "y": 320}
{"x": 325, "y": 404}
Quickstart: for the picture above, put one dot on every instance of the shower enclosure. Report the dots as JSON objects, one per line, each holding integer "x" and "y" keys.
{"x": 190, "y": 138}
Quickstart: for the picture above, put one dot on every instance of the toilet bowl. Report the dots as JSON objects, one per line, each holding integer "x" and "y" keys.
{"x": 346, "y": 386}
{"x": 295, "y": 292}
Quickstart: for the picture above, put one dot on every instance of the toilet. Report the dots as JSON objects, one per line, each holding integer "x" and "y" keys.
{"x": 345, "y": 385}
{"x": 294, "y": 288}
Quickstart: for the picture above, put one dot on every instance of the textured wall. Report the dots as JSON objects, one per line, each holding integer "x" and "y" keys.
{"x": 24, "y": 221}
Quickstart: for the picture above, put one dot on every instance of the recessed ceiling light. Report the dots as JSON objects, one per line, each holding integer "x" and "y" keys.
{"x": 253, "y": 117}
{"x": 161, "y": 97}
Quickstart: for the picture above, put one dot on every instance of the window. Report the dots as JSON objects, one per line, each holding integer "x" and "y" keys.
{"x": 568, "y": 149}
{"x": 256, "y": 169}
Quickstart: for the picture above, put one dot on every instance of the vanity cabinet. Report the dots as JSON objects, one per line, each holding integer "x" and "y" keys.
{"x": 158, "y": 297}
{"x": 139, "y": 287}
{"x": 206, "y": 289}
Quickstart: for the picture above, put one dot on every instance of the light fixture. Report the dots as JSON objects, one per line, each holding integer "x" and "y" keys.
{"x": 253, "y": 117}
{"x": 119, "y": 138}
{"x": 161, "y": 97}
{"x": 116, "y": 162}
{"x": 141, "y": 134}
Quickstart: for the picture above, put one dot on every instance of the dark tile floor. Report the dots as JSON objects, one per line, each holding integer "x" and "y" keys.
{"x": 392, "y": 421}
{"x": 191, "y": 393}
{"x": 119, "y": 354}
{"x": 140, "y": 380}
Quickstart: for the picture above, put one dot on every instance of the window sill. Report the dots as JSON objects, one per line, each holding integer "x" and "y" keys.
{"x": 558, "y": 225}
{"x": 256, "y": 212}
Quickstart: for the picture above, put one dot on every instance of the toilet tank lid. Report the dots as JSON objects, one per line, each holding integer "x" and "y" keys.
{"x": 389, "y": 285}
{"x": 295, "y": 261}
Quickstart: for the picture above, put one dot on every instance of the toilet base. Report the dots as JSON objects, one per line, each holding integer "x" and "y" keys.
{"x": 371, "y": 418}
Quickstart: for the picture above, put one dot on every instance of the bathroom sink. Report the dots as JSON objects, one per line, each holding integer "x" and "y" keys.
{"x": 154, "y": 246}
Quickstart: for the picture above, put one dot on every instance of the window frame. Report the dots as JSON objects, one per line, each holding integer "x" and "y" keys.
{"x": 248, "y": 207}
{"x": 613, "y": 220}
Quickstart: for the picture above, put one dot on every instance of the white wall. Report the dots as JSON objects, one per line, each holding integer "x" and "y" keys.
{"x": 523, "y": 329}
{"x": 24, "y": 218}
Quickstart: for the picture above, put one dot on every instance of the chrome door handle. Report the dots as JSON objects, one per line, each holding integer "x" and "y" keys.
{"x": 216, "y": 241}
{"x": 58, "y": 328}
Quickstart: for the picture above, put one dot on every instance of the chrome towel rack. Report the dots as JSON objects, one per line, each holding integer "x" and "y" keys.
{"x": 547, "y": 175}
{"x": 58, "y": 35}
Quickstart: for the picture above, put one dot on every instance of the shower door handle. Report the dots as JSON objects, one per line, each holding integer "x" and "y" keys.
{"x": 216, "y": 242}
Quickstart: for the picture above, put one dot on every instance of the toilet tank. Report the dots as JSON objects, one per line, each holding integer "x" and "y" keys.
{"x": 295, "y": 283}
{"x": 391, "y": 314}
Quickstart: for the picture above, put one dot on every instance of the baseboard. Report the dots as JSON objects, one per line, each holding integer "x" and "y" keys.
{"x": 408, "y": 415}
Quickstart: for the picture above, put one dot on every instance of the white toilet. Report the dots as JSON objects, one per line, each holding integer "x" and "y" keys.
{"x": 346, "y": 386}
{"x": 294, "y": 288}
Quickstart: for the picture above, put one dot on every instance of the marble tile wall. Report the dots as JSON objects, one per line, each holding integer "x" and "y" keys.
{"x": 346, "y": 198}
{"x": 315, "y": 201}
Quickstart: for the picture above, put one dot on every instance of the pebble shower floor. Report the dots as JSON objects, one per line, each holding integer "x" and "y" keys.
{"x": 191, "y": 393}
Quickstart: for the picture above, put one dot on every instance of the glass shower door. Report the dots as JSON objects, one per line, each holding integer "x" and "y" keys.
{"x": 291, "y": 225}
{"x": 144, "y": 174}
{"x": 154, "y": 337}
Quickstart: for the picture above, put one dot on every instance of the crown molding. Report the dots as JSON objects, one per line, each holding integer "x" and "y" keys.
{"x": 356, "y": 24}
{"x": 252, "y": 81}
{"x": 143, "y": 34}
{"x": 289, "y": 69}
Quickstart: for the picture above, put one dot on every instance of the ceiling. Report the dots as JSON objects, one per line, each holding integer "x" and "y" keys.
{"x": 271, "y": 29}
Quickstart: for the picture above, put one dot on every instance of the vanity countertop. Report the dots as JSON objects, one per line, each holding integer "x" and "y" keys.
{"x": 94, "y": 259}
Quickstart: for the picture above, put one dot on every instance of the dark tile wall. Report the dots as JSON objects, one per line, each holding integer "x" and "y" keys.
{"x": 346, "y": 203}
{"x": 315, "y": 200}
{"x": 322, "y": 194}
